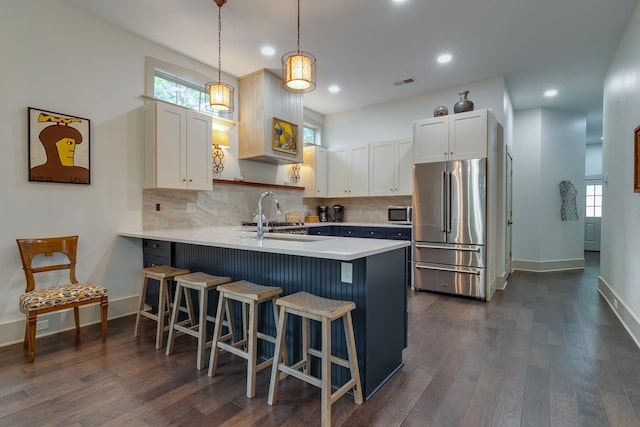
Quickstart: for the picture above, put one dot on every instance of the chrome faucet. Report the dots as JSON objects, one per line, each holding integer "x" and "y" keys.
{"x": 259, "y": 222}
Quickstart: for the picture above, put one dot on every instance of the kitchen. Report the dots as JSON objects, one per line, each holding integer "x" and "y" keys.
{"x": 113, "y": 199}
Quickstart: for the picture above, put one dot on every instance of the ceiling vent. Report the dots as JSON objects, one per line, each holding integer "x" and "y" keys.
{"x": 404, "y": 82}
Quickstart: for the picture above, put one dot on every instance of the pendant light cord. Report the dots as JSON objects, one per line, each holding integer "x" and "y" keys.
{"x": 220, "y": 43}
{"x": 298, "y": 26}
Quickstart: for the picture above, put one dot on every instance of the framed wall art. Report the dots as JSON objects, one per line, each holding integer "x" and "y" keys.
{"x": 636, "y": 160}
{"x": 59, "y": 147}
{"x": 284, "y": 136}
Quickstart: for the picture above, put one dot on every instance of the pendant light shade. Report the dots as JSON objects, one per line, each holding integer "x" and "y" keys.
{"x": 298, "y": 68}
{"x": 221, "y": 95}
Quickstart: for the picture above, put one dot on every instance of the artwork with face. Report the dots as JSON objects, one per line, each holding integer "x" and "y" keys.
{"x": 58, "y": 147}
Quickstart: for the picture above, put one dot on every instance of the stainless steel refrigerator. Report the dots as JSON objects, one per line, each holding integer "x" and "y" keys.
{"x": 449, "y": 226}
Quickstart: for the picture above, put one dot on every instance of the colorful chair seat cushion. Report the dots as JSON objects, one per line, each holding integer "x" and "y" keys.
{"x": 60, "y": 295}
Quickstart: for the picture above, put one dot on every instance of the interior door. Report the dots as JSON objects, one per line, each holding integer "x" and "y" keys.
{"x": 509, "y": 209}
{"x": 593, "y": 213}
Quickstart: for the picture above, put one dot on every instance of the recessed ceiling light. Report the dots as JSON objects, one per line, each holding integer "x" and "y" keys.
{"x": 334, "y": 88}
{"x": 268, "y": 51}
{"x": 444, "y": 58}
{"x": 399, "y": 1}
{"x": 550, "y": 93}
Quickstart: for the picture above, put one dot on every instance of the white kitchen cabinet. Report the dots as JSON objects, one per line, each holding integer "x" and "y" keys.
{"x": 177, "y": 147}
{"x": 349, "y": 171}
{"x": 314, "y": 171}
{"x": 391, "y": 168}
{"x": 454, "y": 137}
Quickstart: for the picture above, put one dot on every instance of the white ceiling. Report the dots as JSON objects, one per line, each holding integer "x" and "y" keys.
{"x": 365, "y": 45}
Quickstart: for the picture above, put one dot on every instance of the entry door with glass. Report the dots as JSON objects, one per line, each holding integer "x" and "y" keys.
{"x": 593, "y": 213}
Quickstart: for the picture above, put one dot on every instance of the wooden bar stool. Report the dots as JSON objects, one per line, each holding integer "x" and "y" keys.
{"x": 325, "y": 311}
{"x": 250, "y": 295}
{"x": 202, "y": 283}
{"x": 161, "y": 273}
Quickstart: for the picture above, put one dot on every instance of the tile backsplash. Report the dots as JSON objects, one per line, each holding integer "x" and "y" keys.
{"x": 230, "y": 204}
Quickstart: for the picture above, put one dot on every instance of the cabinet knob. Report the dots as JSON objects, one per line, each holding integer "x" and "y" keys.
{"x": 371, "y": 233}
{"x": 190, "y": 180}
{"x": 451, "y": 153}
{"x": 184, "y": 180}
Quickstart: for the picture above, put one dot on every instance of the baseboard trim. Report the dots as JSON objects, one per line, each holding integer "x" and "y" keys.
{"x": 548, "y": 266}
{"x": 627, "y": 318}
{"x": 13, "y": 332}
{"x": 501, "y": 282}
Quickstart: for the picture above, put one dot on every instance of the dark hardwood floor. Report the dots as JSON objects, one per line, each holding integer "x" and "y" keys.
{"x": 548, "y": 351}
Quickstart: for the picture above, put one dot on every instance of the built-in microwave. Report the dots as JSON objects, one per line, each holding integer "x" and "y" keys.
{"x": 400, "y": 214}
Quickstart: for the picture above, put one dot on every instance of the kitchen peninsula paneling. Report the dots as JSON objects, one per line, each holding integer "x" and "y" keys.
{"x": 313, "y": 264}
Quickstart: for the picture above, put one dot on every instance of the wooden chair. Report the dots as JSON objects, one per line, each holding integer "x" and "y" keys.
{"x": 72, "y": 295}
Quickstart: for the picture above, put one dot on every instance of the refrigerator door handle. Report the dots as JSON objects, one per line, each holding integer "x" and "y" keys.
{"x": 457, "y": 248}
{"x": 443, "y": 203}
{"x": 448, "y": 201}
{"x": 453, "y": 270}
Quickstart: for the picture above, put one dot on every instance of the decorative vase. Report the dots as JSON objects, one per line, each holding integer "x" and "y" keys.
{"x": 440, "y": 111}
{"x": 464, "y": 104}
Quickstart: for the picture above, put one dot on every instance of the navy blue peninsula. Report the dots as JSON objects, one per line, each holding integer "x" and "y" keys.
{"x": 369, "y": 272}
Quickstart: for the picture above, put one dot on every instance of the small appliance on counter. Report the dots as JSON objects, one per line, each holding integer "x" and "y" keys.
{"x": 400, "y": 214}
{"x": 338, "y": 213}
{"x": 323, "y": 213}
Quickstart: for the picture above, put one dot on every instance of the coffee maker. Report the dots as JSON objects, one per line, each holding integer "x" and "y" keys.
{"x": 323, "y": 213}
{"x": 338, "y": 213}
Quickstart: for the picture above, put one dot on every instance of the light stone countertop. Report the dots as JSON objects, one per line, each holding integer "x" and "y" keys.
{"x": 328, "y": 247}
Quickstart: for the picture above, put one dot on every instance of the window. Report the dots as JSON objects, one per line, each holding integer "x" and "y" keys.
{"x": 310, "y": 135}
{"x": 594, "y": 201}
{"x": 178, "y": 85}
{"x": 178, "y": 91}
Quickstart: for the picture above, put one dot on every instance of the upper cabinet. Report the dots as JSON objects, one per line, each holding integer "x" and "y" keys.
{"x": 314, "y": 171}
{"x": 455, "y": 137}
{"x": 177, "y": 147}
{"x": 349, "y": 171}
{"x": 390, "y": 166}
{"x": 262, "y": 99}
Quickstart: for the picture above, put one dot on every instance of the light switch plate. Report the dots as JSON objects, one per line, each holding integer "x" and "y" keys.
{"x": 191, "y": 207}
{"x": 346, "y": 272}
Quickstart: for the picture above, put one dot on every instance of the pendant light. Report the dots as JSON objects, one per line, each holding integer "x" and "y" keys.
{"x": 220, "y": 94}
{"x": 298, "y": 68}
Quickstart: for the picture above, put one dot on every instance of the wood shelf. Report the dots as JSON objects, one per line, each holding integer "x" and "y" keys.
{"x": 256, "y": 184}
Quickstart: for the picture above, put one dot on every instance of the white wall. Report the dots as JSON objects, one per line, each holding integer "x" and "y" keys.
{"x": 619, "y": 266}
{"x": 527, "y": 161}
{"x": 546, "y": 144}
{"x": 394, "y": 120}
{"x": 593, "y": 160}
{"x": 59, "y": 59}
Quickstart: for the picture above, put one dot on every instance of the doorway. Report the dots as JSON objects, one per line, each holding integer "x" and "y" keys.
{"x": 509, "y": 210}
{"x": 593, "y": 213}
